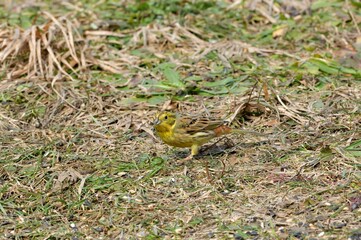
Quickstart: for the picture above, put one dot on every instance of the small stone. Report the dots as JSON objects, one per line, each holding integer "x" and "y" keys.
{"x": 355, "y": 236}
{"x": 339, "y": 225}
{"x": 98, "y": 229}
{"x": 252, "y": 233}
{"x": 297, "y": 232}
{"x": 238, "y": 237}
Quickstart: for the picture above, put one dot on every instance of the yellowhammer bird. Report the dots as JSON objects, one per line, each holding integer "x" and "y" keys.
{"x": 188, "y": 131}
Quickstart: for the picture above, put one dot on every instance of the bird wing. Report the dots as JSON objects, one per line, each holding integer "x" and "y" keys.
{"x": 199, "y": 124}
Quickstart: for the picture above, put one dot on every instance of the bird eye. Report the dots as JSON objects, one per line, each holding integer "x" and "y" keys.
{"x": 166, "y": 117}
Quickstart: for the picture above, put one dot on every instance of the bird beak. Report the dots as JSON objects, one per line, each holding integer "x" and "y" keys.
{"x": 156, "y": 122}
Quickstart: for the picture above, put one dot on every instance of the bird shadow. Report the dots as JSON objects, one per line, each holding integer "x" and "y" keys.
{"x": 222, "y": 146}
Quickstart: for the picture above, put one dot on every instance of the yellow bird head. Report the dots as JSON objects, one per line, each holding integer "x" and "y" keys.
{"x": 165, "y": 118}
{"x": 164, "y": 121}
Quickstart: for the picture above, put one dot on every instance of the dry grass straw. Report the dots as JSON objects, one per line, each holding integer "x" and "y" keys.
{"x": 43, "y": 51}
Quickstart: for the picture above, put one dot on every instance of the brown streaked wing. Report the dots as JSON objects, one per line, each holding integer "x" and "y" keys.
{"x": 194, "y": 124}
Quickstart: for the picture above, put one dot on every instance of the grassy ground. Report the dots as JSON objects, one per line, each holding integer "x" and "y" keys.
{"x": 80, "y": 83}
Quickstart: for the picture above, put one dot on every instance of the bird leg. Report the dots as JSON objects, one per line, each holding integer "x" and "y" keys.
{"x": 194, "y": 151}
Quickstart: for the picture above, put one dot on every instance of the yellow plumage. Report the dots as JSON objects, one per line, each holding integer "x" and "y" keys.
{"x": 188, "y": 131}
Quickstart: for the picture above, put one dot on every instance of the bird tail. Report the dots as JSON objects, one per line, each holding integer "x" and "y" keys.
{"x": 222, "y": 130}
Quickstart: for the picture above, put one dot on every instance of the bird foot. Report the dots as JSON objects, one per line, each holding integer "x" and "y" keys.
{"x": 184, "y": 160}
